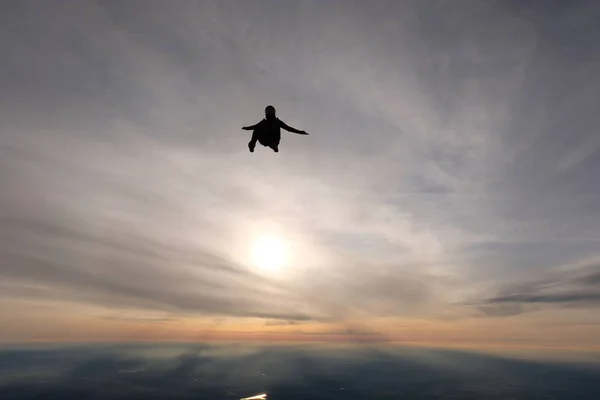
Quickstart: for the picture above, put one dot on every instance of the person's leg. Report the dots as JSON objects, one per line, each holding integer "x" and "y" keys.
{"x": 275, "y": 146}
{"x": 252, "y": 142}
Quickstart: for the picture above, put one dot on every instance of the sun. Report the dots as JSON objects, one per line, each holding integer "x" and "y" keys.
{"x": 269, "y": 252}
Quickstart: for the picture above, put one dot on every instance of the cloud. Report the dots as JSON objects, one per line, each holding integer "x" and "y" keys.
{"x": 575, "y": 285}
{"x": 277, "y": 322}
{"x": 52, "y": 261}
{"x": 56, "y": 261}
{"x": 378, "y": 290}
{"x": 354, "y": 334}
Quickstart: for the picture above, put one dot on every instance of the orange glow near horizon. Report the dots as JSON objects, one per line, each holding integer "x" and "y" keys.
{"x": 507, "y": 334}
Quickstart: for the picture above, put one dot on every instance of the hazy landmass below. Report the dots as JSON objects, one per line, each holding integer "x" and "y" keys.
{"x": 185, "y": 371}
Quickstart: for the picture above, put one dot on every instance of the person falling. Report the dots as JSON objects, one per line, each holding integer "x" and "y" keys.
{"x": 268, "y": 131}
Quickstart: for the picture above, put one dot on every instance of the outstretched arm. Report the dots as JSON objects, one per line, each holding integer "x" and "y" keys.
{"x": 251, "y": 127}
{"x": 290, "y": 129}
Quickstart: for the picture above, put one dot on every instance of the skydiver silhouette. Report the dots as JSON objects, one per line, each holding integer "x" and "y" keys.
{"x": 268, "y": 131}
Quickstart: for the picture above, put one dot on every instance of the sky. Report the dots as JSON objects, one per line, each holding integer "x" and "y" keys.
{"x": 447, "y": 193}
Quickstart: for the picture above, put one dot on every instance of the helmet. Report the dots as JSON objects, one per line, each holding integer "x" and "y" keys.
{"x": 270, "y": 110}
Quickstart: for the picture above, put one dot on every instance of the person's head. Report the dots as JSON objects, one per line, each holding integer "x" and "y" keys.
{"x": 270, "y": 112}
